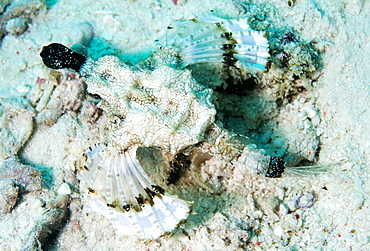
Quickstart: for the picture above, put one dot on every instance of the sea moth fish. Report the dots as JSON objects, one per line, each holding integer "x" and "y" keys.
{"x": 162, "y": 107}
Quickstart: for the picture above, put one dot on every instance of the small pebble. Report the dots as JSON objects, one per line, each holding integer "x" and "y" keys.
{"x": 283, "y": 209}
{"x": 17, "y": 25}
{"x": 64, "y": 189}
{"x": 27, "y": 177}
{"x": 278, "y": 231}
{"x": 306, "y": 200}
{"x": 8, "y": 195}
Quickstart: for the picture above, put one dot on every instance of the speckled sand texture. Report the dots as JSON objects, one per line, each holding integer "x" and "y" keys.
{"x": 47, "y": 123}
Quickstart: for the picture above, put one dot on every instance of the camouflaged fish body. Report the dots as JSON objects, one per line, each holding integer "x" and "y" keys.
{"x": 164, "y": 108}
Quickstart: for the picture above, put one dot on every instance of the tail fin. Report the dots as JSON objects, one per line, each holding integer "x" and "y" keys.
{"x": 306, "y": 171}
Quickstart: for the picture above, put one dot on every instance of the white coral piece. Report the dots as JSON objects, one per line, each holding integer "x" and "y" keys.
{"x": 119, "y": 189}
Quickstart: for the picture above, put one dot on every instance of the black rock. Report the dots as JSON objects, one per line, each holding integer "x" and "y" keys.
{"x": 58, "y": 56}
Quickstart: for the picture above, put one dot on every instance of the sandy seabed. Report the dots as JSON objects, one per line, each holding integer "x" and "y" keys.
{"x": 240, "y": 212}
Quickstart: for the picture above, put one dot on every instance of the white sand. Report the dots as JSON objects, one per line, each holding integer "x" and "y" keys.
{"x": 339, "y": 218}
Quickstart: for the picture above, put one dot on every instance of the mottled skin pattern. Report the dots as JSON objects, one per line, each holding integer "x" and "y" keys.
{"x": 165, "y": 108}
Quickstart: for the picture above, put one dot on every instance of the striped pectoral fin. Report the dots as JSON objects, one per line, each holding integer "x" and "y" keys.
{"x": 120, "y": 190}
{"x": 213, "y": 39}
